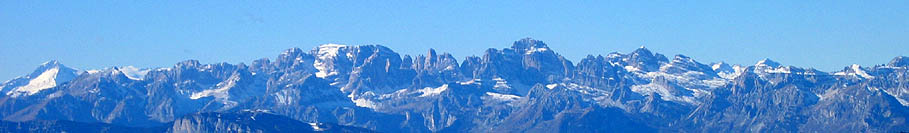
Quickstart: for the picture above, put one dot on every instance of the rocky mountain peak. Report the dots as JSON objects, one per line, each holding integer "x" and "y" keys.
{"x": 767, "y": 62}
{"x": 292, "y": 51}
{"x": 188, "y": 64}
{"x": 721, "y": 67}
{"x": 529, "y": 45}
{"x": 642, "y": 51}
{"x": 51, "y": 63}
{"x": 899, "y": 61}
{"x": 643, "y": 59}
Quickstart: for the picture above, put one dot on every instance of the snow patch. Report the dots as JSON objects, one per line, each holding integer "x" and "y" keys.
{"x": 631, "y": 69}
{"x": 92, "y": 71}
{"x": 221, "y": 93}
{"x": 858, "y": 71}
{"x": 164, "y": 69}
{"x": 257, "y": 110}
{"x": 716, "y": 66}
{"x": 315, "y": 127}
{"x": 502, "y": 97}
{"x": 737, "y": 70}
{"x": 535, "y": 49}
{"x": 364, "y": 103}
{"x": 474, "y": 81}
{"x": 133, "y": 73}
{"x": 778, "y": 70}
{"x": 665, "y": 94}
{"x": 552, "y": 86}
{"x": 613, "y": 55}
{"x": 428, "y": 91}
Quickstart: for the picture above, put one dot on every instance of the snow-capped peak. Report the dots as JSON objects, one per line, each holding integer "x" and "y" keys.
{"x": 133, "y": 73}
{"x": 683, "y": 59}
{"x": 324, "y": 53}
{"x": 428, "y": 91}
{"x": 50, "y": 63}
{"x": 43, "y": 81}
{"x": 899, "y": 61}
{"x": 48, "y": 75}
{"x": 858, "y": 71}
{"x": 720, "y": 66}
{"x": 642, "y": 52}
{"x": 770, "y": 66}
{"x": 727, "y": 71}
{"x": 767, "y": 62}
{"x": 855, "y": 70}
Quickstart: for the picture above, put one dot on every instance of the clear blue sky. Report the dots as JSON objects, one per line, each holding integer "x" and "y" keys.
{"x": 826, "y": 35}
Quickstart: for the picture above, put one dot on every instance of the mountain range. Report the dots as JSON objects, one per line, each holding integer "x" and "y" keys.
{"x": 523, "y": 88}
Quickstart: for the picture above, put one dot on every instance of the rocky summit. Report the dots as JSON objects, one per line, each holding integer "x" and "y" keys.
{"x": 527, "y": 87}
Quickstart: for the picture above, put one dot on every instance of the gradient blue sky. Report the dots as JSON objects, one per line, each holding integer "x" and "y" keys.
{"x": 827, "y": 35}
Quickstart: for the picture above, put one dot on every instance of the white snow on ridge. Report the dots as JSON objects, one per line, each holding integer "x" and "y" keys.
{"x": 44, "y": 81}
{"x": 362, "y": 100}
{"x": 535, "y": 49}
{"x": 433, "y": 91}
{"x": 727, "y": 71}
{"x": 329, "y": 49}
{"x": 134, "y": 73}
{"x": 665, "y": 94}
{"x": 898, "y": 96}
{"x": 858, "y": 71}
{"x": 778, "y": 70}
{"x": 92, "y": 71}
{"x": 716, "y": 66}
{"x": 613, "y": 55}
{"x": 221, "y": 93}
{"x": 738, "y": 70}
{"x": 769, "y": 66}
{"x": 502, "y": 97}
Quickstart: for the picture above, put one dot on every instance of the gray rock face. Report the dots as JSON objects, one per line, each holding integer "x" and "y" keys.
{"x": 527, "y": 87}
